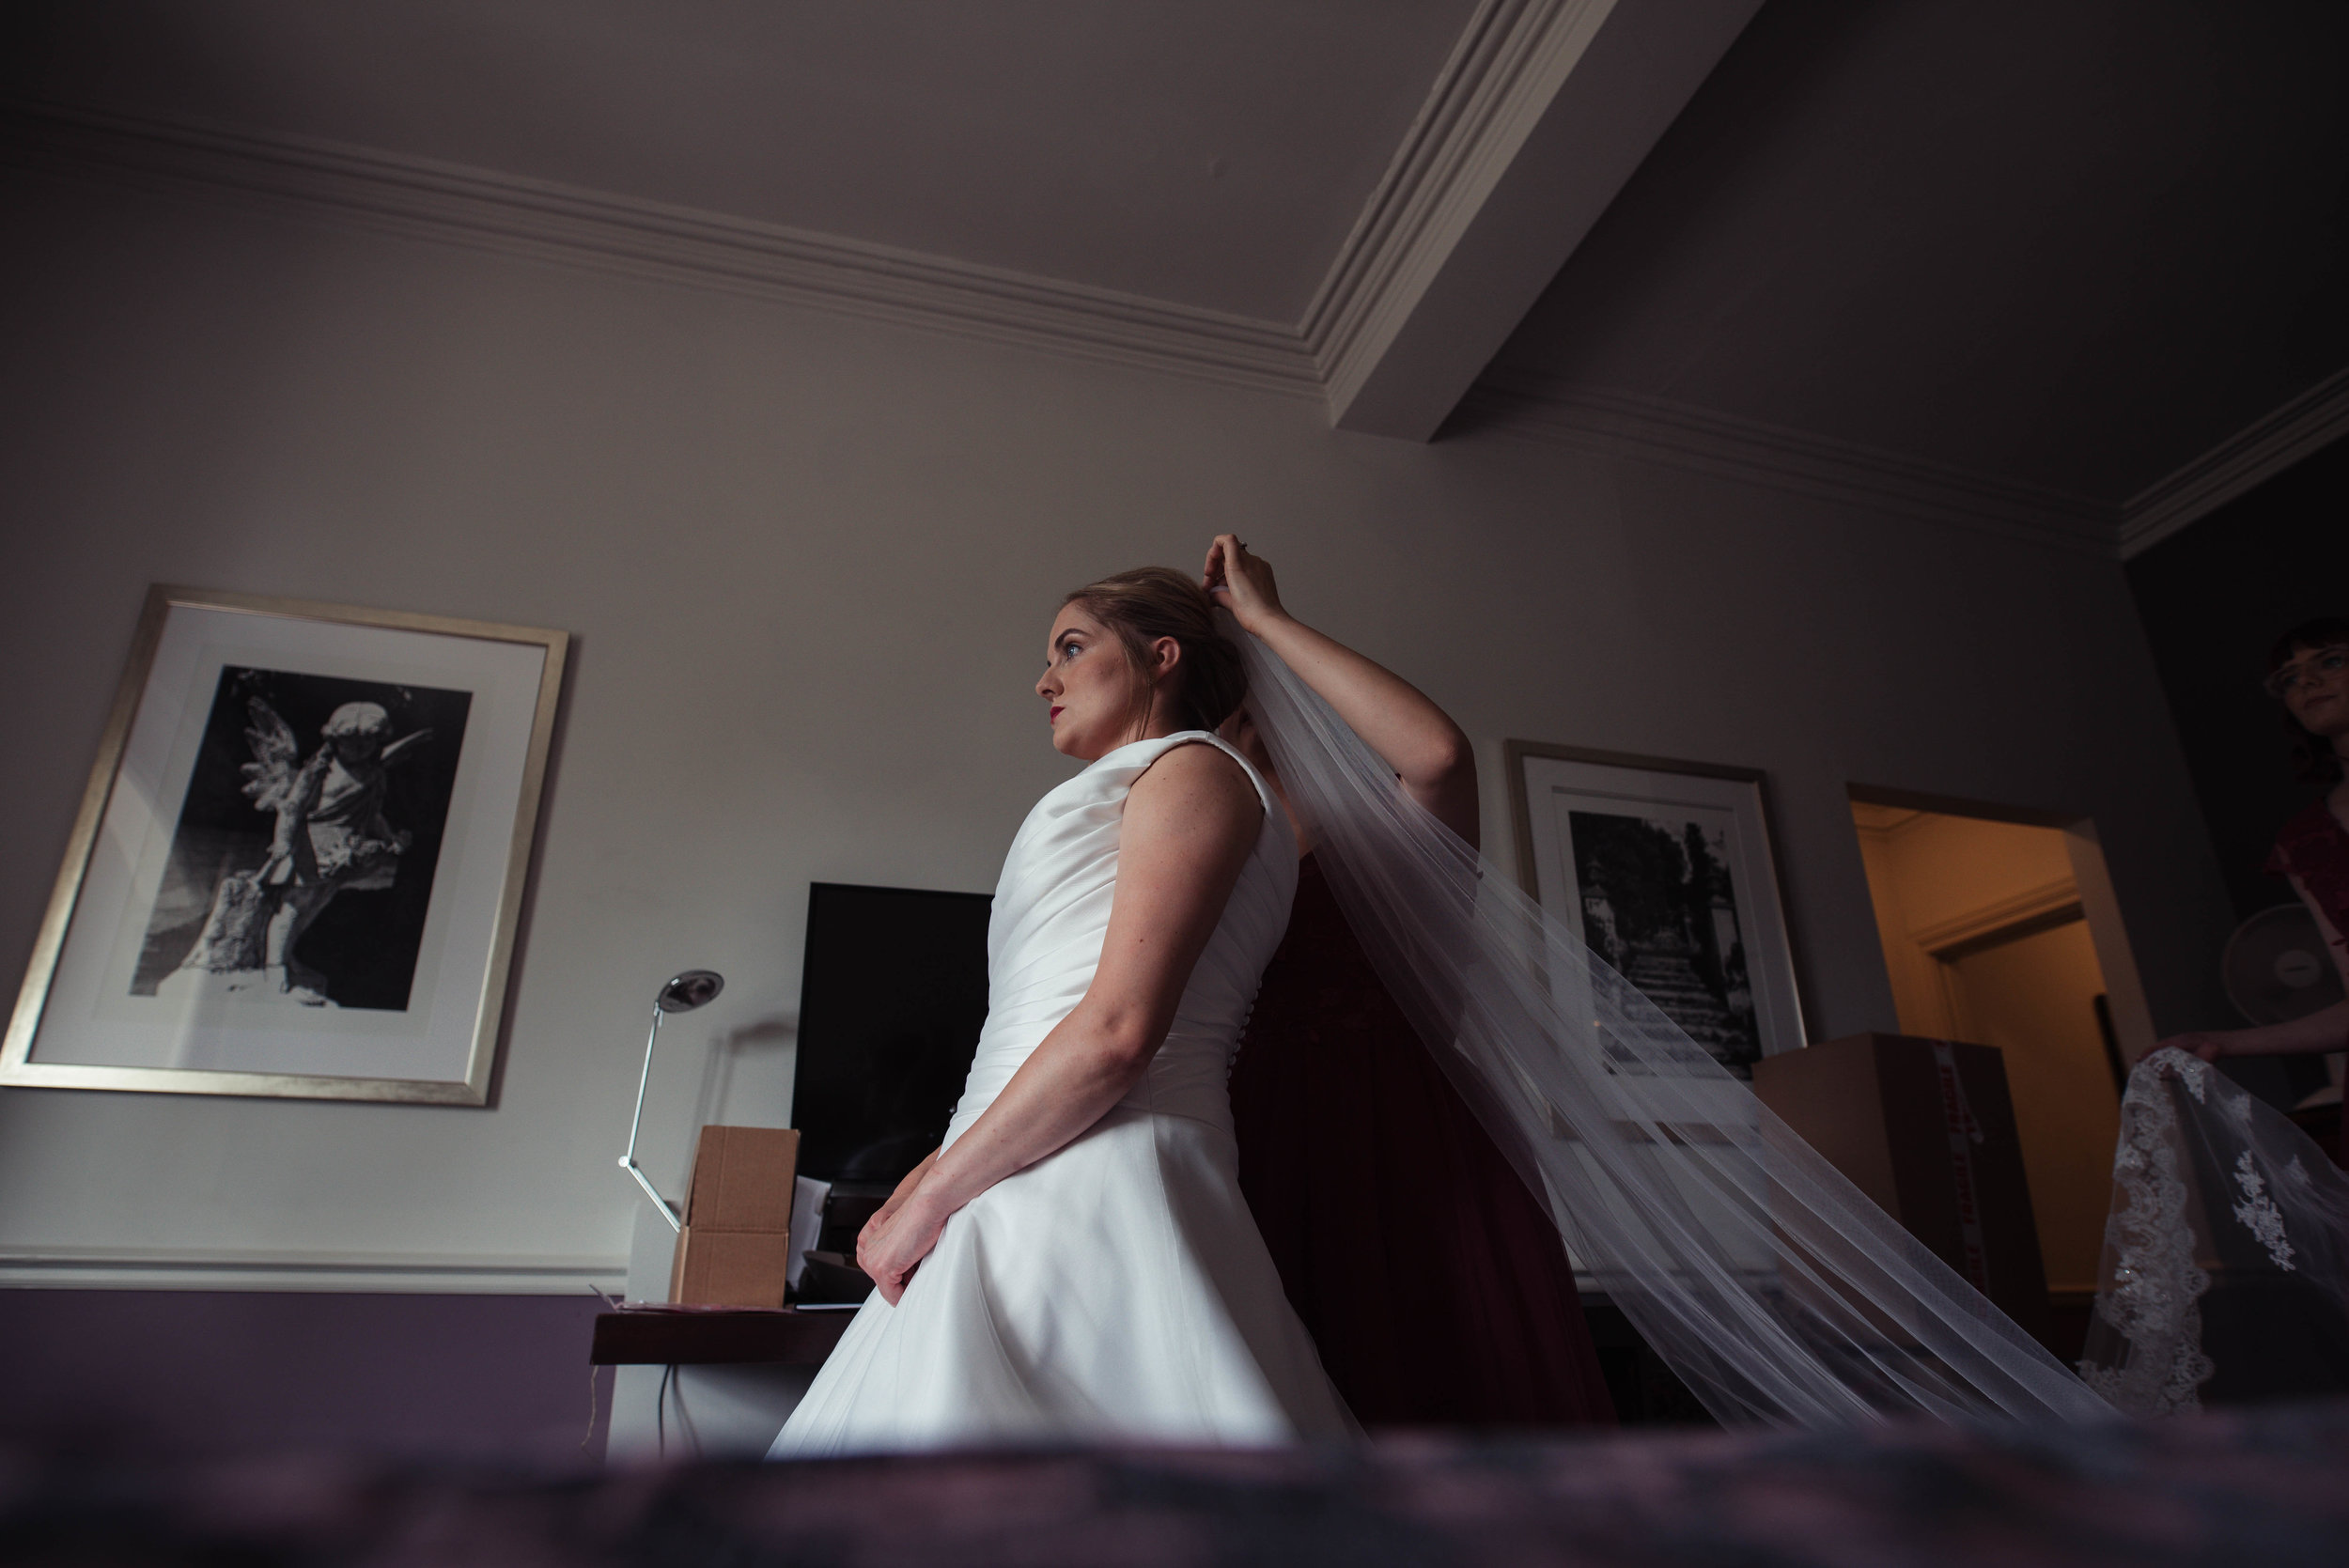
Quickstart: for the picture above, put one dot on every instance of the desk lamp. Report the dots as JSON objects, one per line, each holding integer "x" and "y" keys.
{"x": 682, "y": 994}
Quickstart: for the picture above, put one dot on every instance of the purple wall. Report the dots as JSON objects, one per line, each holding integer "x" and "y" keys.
{"x": 207, "y": 1372}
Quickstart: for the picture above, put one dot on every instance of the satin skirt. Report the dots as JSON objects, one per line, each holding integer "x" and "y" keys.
{"x": 1117, "y": 1290}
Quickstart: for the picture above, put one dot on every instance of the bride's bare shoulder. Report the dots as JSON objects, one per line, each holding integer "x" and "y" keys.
{"x": 1196, "y": 778}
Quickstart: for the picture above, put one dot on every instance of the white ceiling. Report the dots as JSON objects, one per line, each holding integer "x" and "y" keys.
{"x": 2069, "y": 245}
{"x": 1208, "y": 152}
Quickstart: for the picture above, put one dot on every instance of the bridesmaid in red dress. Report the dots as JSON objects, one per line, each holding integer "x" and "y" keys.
{"x": 2308, "y": 670}
{"x": 1433, "y": 1284}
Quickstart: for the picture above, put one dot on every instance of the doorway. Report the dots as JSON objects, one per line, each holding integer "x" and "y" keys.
{"x": 1991, "y": 935}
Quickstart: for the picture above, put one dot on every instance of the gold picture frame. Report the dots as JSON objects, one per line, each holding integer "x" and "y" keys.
{"x": 408, "y": 764}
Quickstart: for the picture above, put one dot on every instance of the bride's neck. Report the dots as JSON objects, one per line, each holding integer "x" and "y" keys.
{"x": 1157, "y": 723}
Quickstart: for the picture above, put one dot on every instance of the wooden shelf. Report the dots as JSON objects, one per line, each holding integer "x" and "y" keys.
{"x": 714, "y": 1336}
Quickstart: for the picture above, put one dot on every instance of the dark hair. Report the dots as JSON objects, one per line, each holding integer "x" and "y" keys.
{"x": 1150, "y": 602}
{"x": 2312, "y": 755}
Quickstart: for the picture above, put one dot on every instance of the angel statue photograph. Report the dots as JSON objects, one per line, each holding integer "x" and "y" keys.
{"x": 309, "y": 791}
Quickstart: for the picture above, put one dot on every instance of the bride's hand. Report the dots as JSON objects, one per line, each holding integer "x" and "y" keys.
{"x": 894, "y": 1243}
{"x": 1241, "y": 582}
{"x": 903, "y": 1190}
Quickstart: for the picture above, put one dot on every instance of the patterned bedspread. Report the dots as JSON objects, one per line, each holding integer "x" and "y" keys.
{"x": 2268, "y": 1487}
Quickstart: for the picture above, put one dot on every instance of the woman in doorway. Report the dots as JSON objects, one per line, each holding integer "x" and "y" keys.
{"x": 1436, "y": 1287}
{"x": 2308, "y": 671}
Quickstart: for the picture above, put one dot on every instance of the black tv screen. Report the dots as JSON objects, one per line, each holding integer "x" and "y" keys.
{"x": 891, "y": 997}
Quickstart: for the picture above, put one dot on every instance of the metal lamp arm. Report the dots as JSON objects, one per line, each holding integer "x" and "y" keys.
{"x": 628, "y": 1161}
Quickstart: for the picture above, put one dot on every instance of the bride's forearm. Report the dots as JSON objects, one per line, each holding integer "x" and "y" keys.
{"x": 906, "y": 1189}
{"x": 1412, "y": 734}
{"x": 1071, "y": 1080}
{"x": 1190, "y": 822}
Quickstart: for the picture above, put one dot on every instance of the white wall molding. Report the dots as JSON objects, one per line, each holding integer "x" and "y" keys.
{"x": 1473, "y": 118}
{"x": 550, "y": 222}
{"x": 155, "y": 1268}
{"x": 1543, "y": 112}
{"x": 1500, "y": 80}
{"x": 1676, "y": 435}
{"x": 2244, "y": 460}
{"x": 2032, "y": 904}
{"x": 1479, "y": 103}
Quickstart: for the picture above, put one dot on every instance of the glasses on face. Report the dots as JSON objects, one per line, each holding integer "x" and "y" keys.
{"x": 2308, "y": 670}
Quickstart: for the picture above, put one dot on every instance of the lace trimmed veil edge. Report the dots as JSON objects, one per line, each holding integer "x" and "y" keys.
{"x": 2219, "y": 1201}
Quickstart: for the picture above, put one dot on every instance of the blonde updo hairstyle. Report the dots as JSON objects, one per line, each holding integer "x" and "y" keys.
{"x": 1141, "y": 606}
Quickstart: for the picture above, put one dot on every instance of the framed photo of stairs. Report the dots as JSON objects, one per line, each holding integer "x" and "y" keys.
{"x": 1666, "y": 869}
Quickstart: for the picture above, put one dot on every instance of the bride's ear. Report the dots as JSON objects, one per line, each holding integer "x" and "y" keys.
{"x": 1165, "y": 654}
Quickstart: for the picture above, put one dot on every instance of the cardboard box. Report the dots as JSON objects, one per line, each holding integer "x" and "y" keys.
{"x": 1926, "y": 1130}
{"x": 730, "y": 1269}
{"x": 742, "y": 1179}
{"x": 735, "y": 1249}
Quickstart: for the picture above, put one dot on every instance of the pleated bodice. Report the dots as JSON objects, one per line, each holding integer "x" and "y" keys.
{"x": 1052, "y": 912}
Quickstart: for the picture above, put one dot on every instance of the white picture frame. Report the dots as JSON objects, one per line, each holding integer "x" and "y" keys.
{"x": 1666, "y": 870}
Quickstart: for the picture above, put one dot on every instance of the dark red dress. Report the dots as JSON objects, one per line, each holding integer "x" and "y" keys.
{"x": 1435, "y": 1288}
{"x": 2314, "y": 848}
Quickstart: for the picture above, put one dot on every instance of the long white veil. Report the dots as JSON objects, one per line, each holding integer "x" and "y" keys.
{"x": 1766, "y": 1281}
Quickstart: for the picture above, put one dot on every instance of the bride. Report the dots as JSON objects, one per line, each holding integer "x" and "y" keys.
{"x": 1075, "y": 1260}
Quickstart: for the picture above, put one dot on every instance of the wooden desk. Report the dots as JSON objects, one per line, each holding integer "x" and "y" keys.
{"x": 714, "y": 1336}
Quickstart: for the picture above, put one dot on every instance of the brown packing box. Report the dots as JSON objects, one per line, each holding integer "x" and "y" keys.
{"x": 735, "y": 1249}
{"x": 1875, "y": 1106}
{"x": 730, "y": 1269}
{"x": 742, "y": 1179}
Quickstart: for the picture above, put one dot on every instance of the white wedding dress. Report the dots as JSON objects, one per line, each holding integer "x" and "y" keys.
{"x": 1116, "y": 1289}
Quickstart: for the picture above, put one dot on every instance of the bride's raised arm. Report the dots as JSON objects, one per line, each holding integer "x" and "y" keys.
{"x": 1417, "y": 739}
{"x": 1188, "y": 826}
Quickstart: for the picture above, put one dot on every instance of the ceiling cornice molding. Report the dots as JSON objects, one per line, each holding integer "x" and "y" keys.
{"x": 2243, "y": 462}
{"x": 1488, "y": 96}
{"x": 1676, "y": 435}
{"x": 2030, "y": 904}
{"x": 545, "y": 220}
{"x": 1464, "y": 121}
{"x": 1542, "y": 111}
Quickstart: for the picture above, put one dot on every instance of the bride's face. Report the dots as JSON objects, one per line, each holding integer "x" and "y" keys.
{"x": 1092, "y": 690}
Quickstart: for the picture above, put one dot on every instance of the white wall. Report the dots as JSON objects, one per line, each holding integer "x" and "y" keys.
{"x": 809, "y": 562}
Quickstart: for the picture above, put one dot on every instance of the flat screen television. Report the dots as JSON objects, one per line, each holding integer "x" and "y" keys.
{"x": 891, "y": 997}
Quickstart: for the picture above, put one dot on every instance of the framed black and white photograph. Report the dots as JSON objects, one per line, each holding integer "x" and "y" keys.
{"x": 1665, "y": 870}
{"x": 301, "y": 858}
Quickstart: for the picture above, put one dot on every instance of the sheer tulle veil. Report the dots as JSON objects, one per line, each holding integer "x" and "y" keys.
{"x": 1768, "y": 1281}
